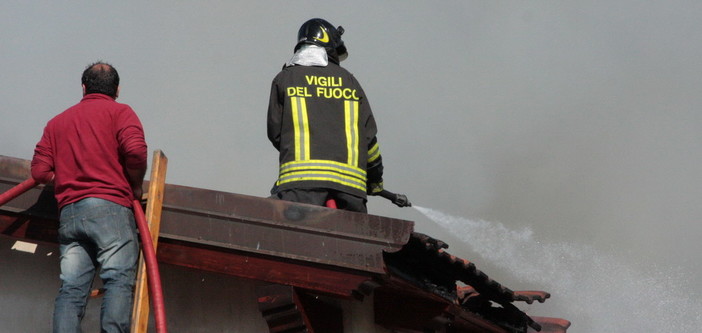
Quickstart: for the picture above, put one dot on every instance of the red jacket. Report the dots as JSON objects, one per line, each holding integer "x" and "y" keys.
{"x": 87, "y": 148}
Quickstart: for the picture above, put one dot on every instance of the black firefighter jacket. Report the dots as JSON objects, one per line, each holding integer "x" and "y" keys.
{"x": 320, "y": 122}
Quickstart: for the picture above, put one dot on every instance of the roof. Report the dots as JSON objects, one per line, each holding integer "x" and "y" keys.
{"x": 331, "y": 252}
{"x": 424, "y": 262}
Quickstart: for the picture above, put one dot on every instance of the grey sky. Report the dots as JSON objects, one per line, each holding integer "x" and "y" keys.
{"x": 579, "y": 120}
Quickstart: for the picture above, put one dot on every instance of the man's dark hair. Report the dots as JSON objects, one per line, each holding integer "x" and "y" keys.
{"x": 101, "y": 78}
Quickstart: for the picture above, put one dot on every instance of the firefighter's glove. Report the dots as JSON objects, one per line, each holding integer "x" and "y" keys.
{"x": 374, "y": 188}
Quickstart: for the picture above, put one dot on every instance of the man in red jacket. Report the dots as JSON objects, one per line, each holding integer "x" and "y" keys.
{"x": 95, "y": 154}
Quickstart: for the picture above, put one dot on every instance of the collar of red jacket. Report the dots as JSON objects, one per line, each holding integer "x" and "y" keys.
{"x": 97, "y": 96}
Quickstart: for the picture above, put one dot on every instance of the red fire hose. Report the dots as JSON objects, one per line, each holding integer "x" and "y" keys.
{"x": 399, "y": 199}
{"x": 152, "y": 273}
{"x": 331, "y": 203}
{"x": 17, "y": 190}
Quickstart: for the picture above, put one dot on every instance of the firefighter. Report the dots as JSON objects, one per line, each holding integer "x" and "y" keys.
{"x": 321, "y": 123}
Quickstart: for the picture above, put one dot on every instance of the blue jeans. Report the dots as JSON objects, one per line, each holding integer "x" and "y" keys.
{"x": 96, "y": 232}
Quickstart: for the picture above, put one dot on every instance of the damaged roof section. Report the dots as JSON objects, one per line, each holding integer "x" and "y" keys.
{"x": 424, "y": 262}
{"x": 417, "y": 285}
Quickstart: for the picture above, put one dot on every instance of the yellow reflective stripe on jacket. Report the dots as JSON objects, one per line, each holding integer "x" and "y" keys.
{"x": 374, "y": 153}
{"x": 302, "y": 128}
{"x": 323, "y": 170}
{"x": 323, "y": 165}
{"x": 322, "y": 176}
{"x": 351, "y": 124}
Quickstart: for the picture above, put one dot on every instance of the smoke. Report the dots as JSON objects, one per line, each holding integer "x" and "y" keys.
{"x": 597, "y": 292}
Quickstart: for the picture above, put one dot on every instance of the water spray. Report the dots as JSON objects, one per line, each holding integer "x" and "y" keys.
{"x": 594, "y": 288}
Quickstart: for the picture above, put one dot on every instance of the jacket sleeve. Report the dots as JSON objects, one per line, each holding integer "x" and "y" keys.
{"x": 42, "y": 166}
{"x": 275, "y": 115}
{"x": 374, "y": 165}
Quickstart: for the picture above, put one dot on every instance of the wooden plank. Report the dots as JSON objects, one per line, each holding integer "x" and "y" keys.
{"x": 291, "y": 310}
{"x": 281, "y": 308}
{"x": 323, "y": 279}
{"x": 157, "y": 183}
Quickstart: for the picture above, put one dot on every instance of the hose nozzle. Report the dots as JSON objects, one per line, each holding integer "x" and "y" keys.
{"x": 398, "y": 199}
